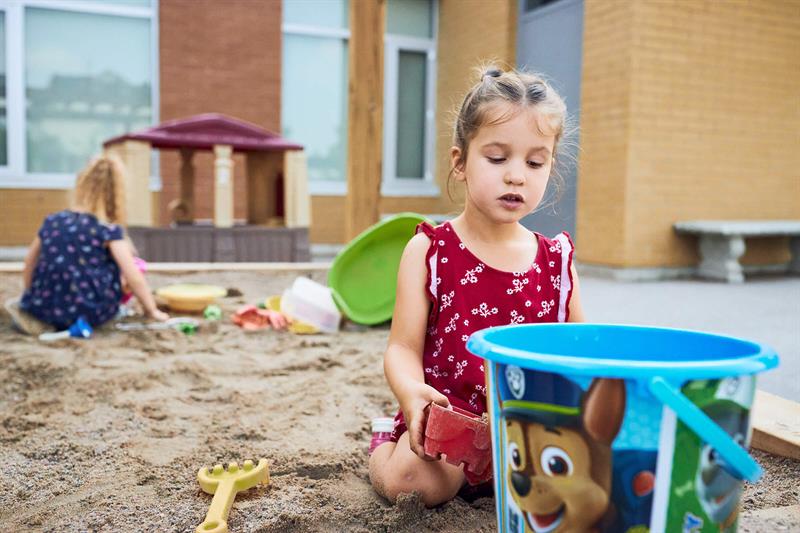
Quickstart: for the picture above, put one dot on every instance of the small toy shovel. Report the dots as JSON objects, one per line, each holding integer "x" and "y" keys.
{"x": 224, "y": 484}
{"x": 79, "y": 329}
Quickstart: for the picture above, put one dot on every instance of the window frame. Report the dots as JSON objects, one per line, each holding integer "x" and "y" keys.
{"x": 15, "y": 174}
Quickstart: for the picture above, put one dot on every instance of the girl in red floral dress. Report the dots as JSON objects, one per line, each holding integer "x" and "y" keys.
{"x": 479, "y": 270}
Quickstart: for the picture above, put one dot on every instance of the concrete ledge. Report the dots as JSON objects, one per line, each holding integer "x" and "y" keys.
{"x": 634, "y": 274}
{"x": 629, "y": 274}
{"x": 12, "y": 253}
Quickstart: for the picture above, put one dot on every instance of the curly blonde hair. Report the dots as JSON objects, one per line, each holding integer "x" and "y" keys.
{"x": 100, "y": 189}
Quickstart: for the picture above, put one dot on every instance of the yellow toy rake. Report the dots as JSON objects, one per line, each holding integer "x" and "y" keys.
{"x": 224, "y": 484}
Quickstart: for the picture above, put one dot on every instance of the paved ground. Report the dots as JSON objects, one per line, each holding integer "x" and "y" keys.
{"x": 763, "y": 309}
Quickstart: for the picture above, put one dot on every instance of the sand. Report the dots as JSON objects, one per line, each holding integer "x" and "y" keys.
{"x": 108, "y": 434}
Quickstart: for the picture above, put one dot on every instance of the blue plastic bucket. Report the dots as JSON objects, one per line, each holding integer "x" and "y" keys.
{"x": 619, "y": 428}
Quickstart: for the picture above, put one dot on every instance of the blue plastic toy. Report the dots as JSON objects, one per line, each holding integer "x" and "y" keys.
{"x": 79, "y": 329}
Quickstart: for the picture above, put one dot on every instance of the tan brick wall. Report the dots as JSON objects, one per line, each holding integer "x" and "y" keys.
{"x": 471, "y": 32}
{"x": 708, "y": 126}
{"x": 24, "y": 210}
{"x": 222, "y": 57}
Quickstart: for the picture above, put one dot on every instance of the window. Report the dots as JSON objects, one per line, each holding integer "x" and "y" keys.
{"x": 314, "y": 92}
{"x": 314, "y": 88}
{"x": 79, "y": 72}
{"x": 409, "y": 84}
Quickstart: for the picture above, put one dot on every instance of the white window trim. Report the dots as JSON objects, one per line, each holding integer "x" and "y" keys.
{"x": 14, "y": 175}
{"x": 391, "y": 184}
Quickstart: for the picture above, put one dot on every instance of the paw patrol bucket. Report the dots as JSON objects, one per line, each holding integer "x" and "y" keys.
{"x": 619, "y": 428}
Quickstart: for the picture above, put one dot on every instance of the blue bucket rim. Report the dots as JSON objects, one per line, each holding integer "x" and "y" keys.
{"x": 763, "y": 358}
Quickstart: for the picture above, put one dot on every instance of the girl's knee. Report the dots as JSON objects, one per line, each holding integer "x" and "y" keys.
{"x": 391, "y": 479}
{"x": 434, "y": 487}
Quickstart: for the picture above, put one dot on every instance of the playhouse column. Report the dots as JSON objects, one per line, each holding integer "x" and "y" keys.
{"x": 223, "y": 186}
{"x": 135, "y": 155}
{"x": 296, "y": 200}
{"x": 187, "y": 184}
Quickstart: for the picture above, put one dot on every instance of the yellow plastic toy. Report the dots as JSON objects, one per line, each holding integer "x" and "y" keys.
{"x": 190, "y": 297}
{"x": 273, "y": 303}
{"x": 224, "y": 484}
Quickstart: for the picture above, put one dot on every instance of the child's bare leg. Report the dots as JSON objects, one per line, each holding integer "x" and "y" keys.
{"x": 394, "y": 469}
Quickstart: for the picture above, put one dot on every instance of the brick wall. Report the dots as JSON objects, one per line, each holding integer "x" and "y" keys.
{"x": 605, "y": 132}
{"x": 689, "y": 110}
{"x": 471, "y": 32}
{"x": 222, "y": 57}
{"x": 24, "y": 210}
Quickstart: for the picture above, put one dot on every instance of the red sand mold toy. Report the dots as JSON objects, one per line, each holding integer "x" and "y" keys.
{"x": 461, "y": 437}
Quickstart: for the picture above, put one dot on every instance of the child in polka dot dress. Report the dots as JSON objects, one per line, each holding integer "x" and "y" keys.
{"x": 479, "y": 270}
{"x": 75, "y": 265}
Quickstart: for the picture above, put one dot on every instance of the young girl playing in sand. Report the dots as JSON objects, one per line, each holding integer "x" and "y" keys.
{"x": 479, "y": 270}
{"x": 74, "y": 264}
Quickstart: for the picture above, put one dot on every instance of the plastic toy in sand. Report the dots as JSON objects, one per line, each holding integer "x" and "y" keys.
{"x": 461, "y": 437}
{"x": 299, "y": 327}
{"x": 212, "y": 312}
{"x": 252, "y": 318}
{"x": 363, "y": 276}
{"x": 185, "y": 324}
{"x": 224, "y": 484}
{"x": 80, "y": 329}
{"x": 312, "y": 303}
{"x": 190, "y": 297}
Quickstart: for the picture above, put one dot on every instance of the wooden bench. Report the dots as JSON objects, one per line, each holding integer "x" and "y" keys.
{"x": 722, "y": 243}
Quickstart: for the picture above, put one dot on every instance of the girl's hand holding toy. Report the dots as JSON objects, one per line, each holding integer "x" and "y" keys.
{"x": 414, "y": 406}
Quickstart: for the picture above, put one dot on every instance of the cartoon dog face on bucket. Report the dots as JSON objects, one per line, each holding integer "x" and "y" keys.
{"x": 558, "y": 448}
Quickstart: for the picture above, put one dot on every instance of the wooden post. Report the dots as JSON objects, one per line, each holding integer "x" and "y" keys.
{"x": 296, "y": 201}
{"x": 365, "y": 124}
{"x": 135, "y": 155}
{"x": 186, "y": 207}
{"x": 223, "y": 186}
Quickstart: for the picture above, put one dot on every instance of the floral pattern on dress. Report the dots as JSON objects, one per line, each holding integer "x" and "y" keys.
{"x": 474, "y": 296}
{"x": 75, "y": 274}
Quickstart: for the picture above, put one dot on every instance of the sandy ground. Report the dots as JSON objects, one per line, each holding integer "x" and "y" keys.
{"x": 108, "y": 434}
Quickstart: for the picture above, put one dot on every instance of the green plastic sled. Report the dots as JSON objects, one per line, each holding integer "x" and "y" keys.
{"x": 363, "y": 276}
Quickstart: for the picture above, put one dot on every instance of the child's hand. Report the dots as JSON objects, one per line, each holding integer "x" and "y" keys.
{"x": 415, "y": 414}
{"x": 159, "y": 315}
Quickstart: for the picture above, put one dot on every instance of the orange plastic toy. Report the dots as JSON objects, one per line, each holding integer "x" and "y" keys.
{"x": 251, "y": 317}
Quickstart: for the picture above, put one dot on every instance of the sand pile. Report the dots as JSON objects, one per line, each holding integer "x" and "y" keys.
{"x": 107, "y": 434}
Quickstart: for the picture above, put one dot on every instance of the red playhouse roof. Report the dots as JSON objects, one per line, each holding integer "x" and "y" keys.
{"x": 204, "y": 131}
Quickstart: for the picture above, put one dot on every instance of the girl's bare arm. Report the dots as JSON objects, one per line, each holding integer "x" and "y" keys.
{"x": 403, "y": 360}
{"x": 121, "y": 251}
